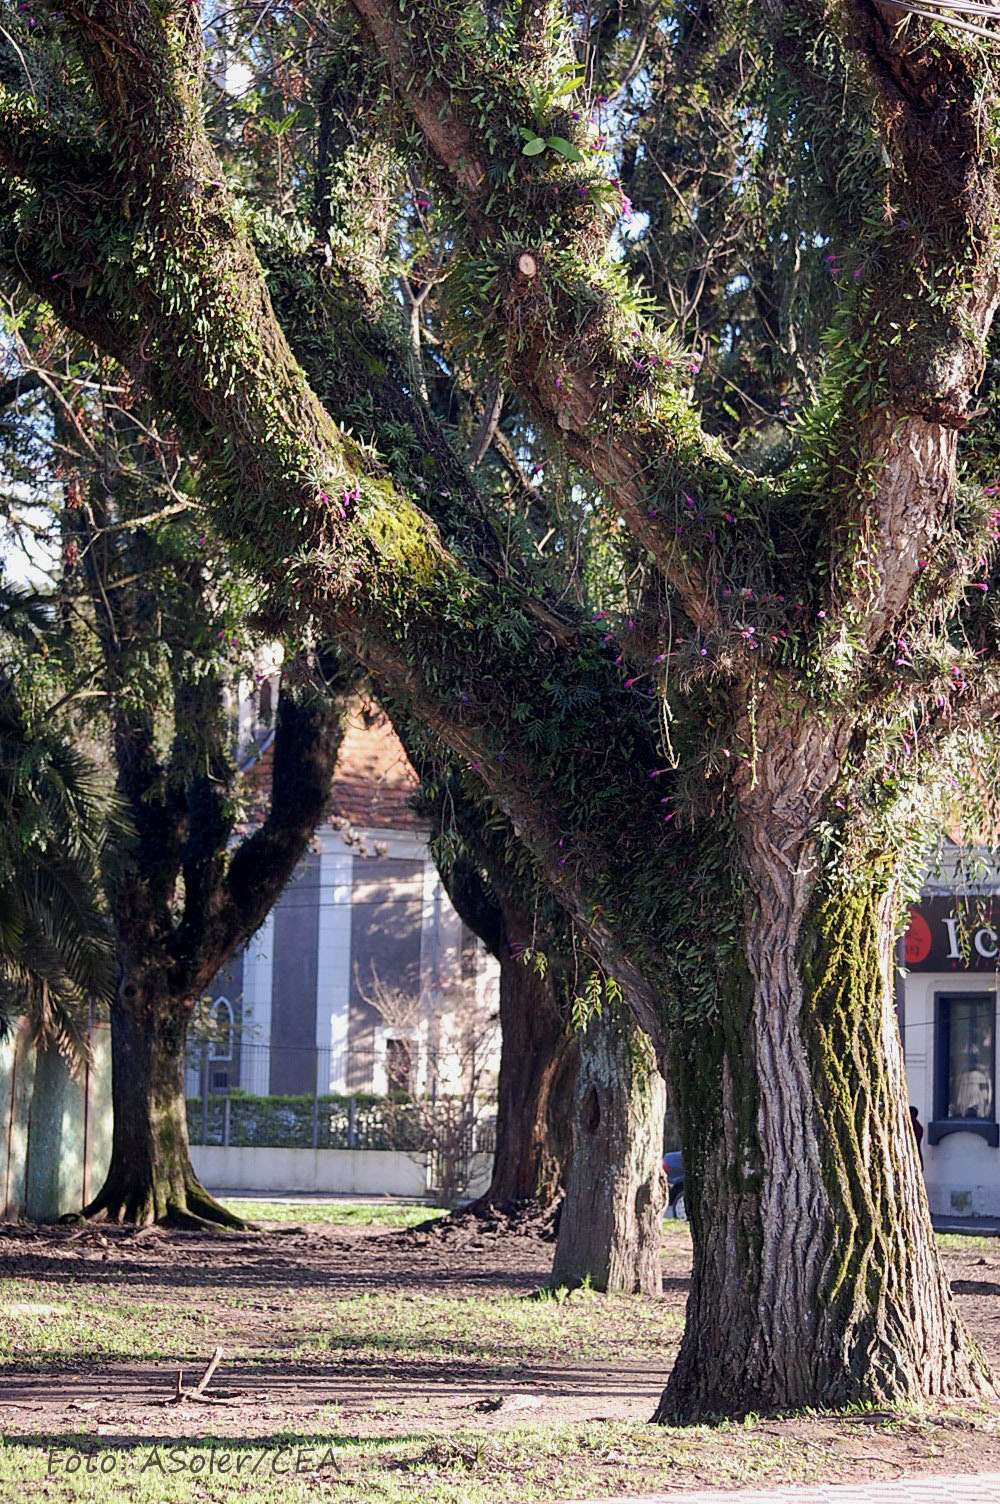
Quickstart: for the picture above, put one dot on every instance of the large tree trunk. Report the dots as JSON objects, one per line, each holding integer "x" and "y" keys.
{"x": 612, "y": 1218}
{"x": 150, "y": 1177}
{"x": 538, "y": 1048}
{"x": 538, "y": 1063}
{"x": 816, "y": 1279}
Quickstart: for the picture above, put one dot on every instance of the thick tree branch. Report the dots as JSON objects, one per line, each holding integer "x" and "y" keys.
{"x": 600, "y": 379}
{"x": 307, "y": 512}
{"x": 308, "y": 733}
{"x": 19, "y": 386}
{"x": 880, "y": 457}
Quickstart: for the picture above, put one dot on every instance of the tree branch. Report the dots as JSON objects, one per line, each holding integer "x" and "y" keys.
{"x": 598, "y": 376}
{"x": 308, "y": 734}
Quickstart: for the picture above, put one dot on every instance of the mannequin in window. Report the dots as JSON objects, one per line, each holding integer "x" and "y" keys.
{"x": 973, "y": 1091}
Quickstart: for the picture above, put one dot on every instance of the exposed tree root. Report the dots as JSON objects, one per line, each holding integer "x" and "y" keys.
{"x": 185, "y": 1205}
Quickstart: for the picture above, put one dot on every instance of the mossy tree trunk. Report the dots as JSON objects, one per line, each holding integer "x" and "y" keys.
{"x": 816, "y": 1277}
{"x": 538, "y": 1062}
{"x": 150, "y": 1177}
{"x": 184, "y": 896}
{"x": 612, "y": 1218}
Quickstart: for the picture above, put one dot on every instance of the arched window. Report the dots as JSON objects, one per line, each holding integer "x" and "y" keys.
{"x": 222, "y": 1030}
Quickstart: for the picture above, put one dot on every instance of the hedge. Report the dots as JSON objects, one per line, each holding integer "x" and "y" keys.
{"x": 277, "y": 1122}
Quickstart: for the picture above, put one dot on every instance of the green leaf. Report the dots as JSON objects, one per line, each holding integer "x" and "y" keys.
{"x": 564, "y": 148}
{"x": 534, "y": 146}
{"x": 527, "y": 133}
{"x": 569, "y": 85}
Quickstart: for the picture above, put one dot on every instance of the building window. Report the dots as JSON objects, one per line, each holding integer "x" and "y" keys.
{"x": 397, "y": 1065}
{"x": 222, "y": 1030}
{"x": 965, "y": 1065}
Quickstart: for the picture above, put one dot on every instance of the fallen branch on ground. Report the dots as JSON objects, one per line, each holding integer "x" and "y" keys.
{"x": 198, "y": 1392}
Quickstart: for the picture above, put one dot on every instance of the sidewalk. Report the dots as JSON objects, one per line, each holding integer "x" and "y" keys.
{"x": 980, "y": 1227}
{"x": 973, "y": 1488}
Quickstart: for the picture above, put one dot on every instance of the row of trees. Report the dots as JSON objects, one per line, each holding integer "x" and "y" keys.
{"x": 710, "y": 723}
{"x": 145, "y": 624}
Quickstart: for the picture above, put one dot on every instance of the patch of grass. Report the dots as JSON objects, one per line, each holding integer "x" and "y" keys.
{"x": 676, "y": 1236}
{"x": 467, "y": 1467}
{"x": 967, "y": 1242}
{"x": 496, "y": 1331}
{"x": 336, "y": 1213}
{"x": 45, "y": 1325}
{"x": 49, "y": 1325}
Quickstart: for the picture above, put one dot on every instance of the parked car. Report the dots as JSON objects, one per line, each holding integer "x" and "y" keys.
{"x": 673, "y": 1167}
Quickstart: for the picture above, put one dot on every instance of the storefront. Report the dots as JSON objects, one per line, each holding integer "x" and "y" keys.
{"x": 949, "y": 1017}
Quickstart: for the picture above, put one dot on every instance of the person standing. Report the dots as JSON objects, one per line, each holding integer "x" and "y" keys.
{"x": 918, "y": 1133}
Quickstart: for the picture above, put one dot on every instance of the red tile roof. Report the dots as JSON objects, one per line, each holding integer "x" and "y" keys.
{"x": 374, "y": 779}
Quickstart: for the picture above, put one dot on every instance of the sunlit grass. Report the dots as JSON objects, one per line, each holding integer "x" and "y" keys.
{"x": 335, "y": 1212}
{"x": 542, "y": 1462}
{"x": 48, "y": 1324}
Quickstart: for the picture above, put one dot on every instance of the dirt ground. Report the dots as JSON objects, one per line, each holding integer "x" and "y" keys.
{"x": 384, "y": 1393}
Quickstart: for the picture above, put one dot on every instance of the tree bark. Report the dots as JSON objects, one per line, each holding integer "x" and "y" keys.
{"x": 150, "y": 1177}
{"x": 538, "y": 1062}
{"x": 816, "y": 1278}
{"x": 538, "y": 1051}
{"x": 611, "y": 1222}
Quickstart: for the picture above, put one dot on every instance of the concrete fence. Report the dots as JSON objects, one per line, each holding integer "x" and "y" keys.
{"x": 339, "y": 1172}
{"x": 55, "y": 1143}
{"x": 365, "y": 1172}
{"x": 55, "y": 1127}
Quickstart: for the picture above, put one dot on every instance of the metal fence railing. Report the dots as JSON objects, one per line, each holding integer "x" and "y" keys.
{"x": 272, "y": 1096}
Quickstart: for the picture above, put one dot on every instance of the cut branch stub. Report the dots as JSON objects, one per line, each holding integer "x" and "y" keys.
{"x": 527, "y": 264}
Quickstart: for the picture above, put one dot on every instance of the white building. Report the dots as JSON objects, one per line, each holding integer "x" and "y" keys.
{"x": 363, "y": 978}
{"x": 948, "y": 1016}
